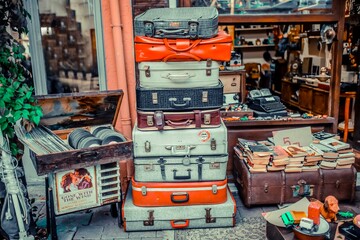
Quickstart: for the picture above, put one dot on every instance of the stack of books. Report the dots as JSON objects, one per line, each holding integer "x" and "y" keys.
{"x": 296, "y": 158}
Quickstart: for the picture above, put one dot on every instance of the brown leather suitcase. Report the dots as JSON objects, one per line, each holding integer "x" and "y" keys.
{"x": 126, "y": 173}
{"x": 160, "y": 120}
{"x": 280, "y": 187}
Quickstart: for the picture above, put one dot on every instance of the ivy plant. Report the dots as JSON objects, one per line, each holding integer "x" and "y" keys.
{"x": 17, "y": 101}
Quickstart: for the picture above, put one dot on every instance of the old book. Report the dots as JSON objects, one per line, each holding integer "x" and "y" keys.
{"x": 346, "y": 150}
{"x": 334, "y": 144}
{"x": 295, "y": 151}
{"x": 310, "y": 168}
{"x": 279, "y": 153}
{"x": 255, "y": 170}
{"x": 310, "y": 163}
{"x": 320, "y": 148}
{"x": 330, "y": 155}
{"x": 273, "y": 168}
{"x": 313, "y": 159}
{"x": 289, "y": 170}
{"x": 328, "y": 165}
{"x": 346, "y": 161}
{"x": 280, "y": 162}
{"x": 343, "y": 166}
{"x": 346, "y": 155}
{"x": 259, "y": 161}
{"x": 260, "y": 150}
{"x": 245, "y": 143}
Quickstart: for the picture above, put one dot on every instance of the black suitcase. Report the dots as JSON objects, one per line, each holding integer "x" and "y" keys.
{"x": 201, "y": 22}
{"x": 159, "y": 99}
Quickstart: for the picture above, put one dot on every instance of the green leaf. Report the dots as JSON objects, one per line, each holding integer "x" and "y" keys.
{"x": 4, "y": 125}
{"x": 27, "y": 106}
{"x": 2, "y": 103}
{"x": 17, "y": 115}
{"x": 25, "y": 114}
{"x": 36, "y": 119}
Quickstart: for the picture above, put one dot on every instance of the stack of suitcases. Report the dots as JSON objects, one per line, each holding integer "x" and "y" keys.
{"x": 180, "y": 141}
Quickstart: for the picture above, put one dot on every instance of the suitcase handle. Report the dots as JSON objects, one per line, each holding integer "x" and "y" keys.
{"x": 163, "y": 32}
{"x": 194, "y": 44}
{"x": 182, "y": 177}
{"x": 181, "y": 55}
{"x": 179, "y": 77}
{"x": 179, "y": 152}
{"x": 173, "y": 104}
{"x": 179, "y": 194}
{"x": 88, "y": 154}
{"x": 182, "y": 224}
{"x": 179, "y": 124}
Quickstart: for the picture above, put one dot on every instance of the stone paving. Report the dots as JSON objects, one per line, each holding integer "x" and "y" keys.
{"x": 98, "y": 223}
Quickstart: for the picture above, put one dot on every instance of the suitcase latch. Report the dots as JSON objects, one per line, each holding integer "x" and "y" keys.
{"x": 147, "y": 71}
{"x": 150, "y": 221}
{"x": 159, "y": 119}
{"x": 302, "y": 189}
{"x": 214, "y": 189}
{"x": 208, "y": 65}
{"x": 208, "y": 217}
{"x": 162, "y": 162}
{"x": 148, "y": 168}
{"x": 266, "y": 188}
{"x": 204, "y": 96}
{"x": 207, "y": 118}
{"x": 143, "y": 190}
{"x": 147, "y": 146}
{"x": 213, "y": 144}
{"x": 193, "y": 30}
{"x": 150, "y": 121}
{"x": 149, "y": 29}
{"x": 154, "y": 98}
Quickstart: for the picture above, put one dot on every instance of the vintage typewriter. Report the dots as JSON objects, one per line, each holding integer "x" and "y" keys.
{"x": 262, "y": 100}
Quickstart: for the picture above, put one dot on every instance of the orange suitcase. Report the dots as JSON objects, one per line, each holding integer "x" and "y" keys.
{"x": 156, "y": 194}
{"x": 155, "y": 49}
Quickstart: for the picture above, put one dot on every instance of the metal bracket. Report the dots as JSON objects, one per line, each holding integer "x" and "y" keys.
{"x": 149, "y": 29}
{"x": 207, "y": 118}
{"x": 205, "y": 96}
{"x": 214, "y": 189}
{"x": 147, "y": 146}
{"x": 143, "y": 190}
{"x": 154, "y": 98}
{"x": 208, "y": 69}
{"x": 150, "y": 221}
{"x": 150, "y": 121}
{"x": 213, "y": 144}
{"x": 147, "y": 71}
{"x": 208, "y": 217}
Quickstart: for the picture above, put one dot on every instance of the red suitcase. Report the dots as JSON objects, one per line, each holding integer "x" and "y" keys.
{"x": 154, "y": 49}
{"x": 161, "y": 194}
{"x": 160, "y": 120}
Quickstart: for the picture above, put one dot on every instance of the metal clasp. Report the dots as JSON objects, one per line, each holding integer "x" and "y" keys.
{"x": 150, "y": 221}
{"x": 208, "y": 217}
{"x": 204, "y": 96}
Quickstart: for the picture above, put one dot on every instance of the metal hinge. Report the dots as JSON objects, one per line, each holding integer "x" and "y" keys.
{"x": 204, "y": 96}
{"x": 147, "y": 70}
{"x": 208, "y": 217}
{"x": 147, "y": 146}
{"x": 154, "y": 98}
{"x": 213, "y": 144}
{"x": 208, "y": 69}
{"x": 150, "y": 221}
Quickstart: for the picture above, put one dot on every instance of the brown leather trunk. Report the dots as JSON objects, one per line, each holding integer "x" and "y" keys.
{"x": 160, "y": 120}
{"x": 280, "y": 187}
{"x": 126, "y": 173}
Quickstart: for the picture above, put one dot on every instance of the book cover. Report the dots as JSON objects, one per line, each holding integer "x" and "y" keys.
{"x": 279, "y": 153}
{"x": 260, "y": 150}
{"x": 346, "y": 155}
{"x": 310, "y": 168}
{"x": 327, "y": 164}
{"x": 259, "y": 161}
{"x": 334, "y": 144}
{"x": 330, "y": 155}
{"x": 295, "y": 151}
{"x": 291, "y": 170}
{"x": 346, "y": 161}
{"x": 281, "y": 162}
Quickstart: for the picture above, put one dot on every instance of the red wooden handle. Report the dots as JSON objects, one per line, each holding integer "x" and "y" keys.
{"x": 182, "y": 224}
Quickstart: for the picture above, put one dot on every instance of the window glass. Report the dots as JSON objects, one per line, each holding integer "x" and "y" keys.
{"x": 69, "y": 45}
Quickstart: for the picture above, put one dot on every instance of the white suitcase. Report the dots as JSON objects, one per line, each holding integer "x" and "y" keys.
{"x": 181, "y": 142}
{"x": 179, "y": 74}
{"x": 178, "y": 217}
{"x": 175, "y": 169}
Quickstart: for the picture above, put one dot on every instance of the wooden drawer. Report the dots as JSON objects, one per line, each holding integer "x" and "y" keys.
{"x": 286, "y": 90}
{"x": 305, "y": 98}
{"x": 320, "y": 102}
{"x": 231, "y": 83}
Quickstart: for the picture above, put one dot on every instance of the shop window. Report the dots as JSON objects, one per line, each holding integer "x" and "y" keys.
{"x": 66, "y": 46}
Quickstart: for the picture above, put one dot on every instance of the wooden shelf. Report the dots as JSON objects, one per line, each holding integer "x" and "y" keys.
{"x": 280, "y": 18}
{"x": 254, "y": 29}
{"x": 256, "y": 46}
{"x": 280, "y": 122}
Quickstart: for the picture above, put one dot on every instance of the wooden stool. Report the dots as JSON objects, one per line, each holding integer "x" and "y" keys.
{"x": 348, "y": 96}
